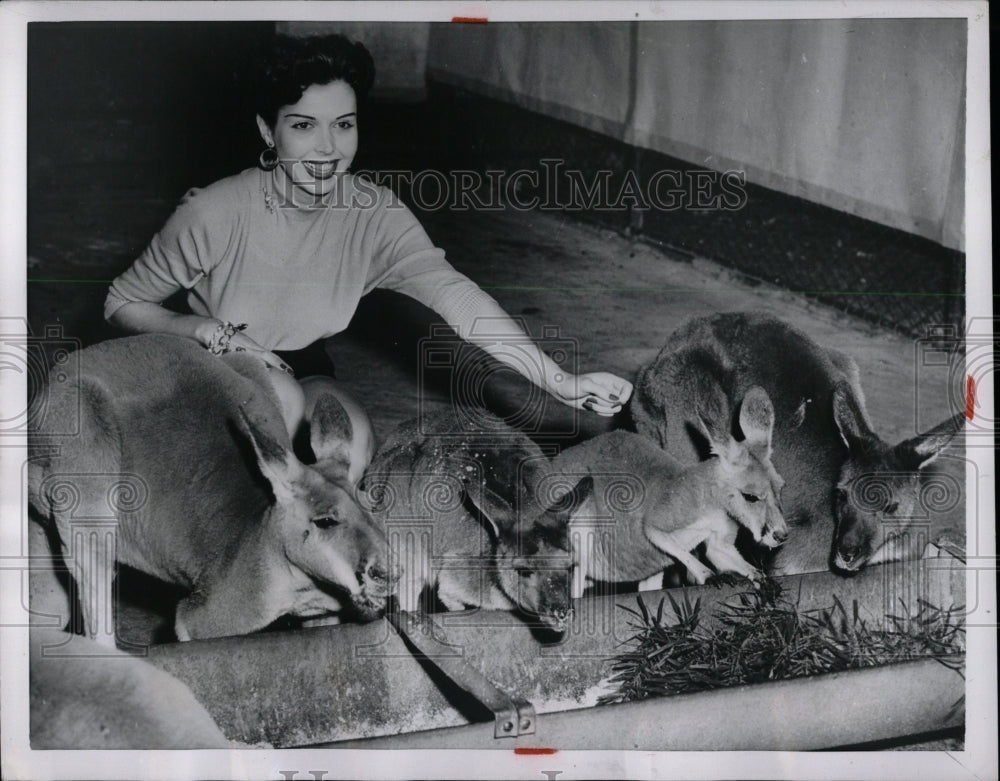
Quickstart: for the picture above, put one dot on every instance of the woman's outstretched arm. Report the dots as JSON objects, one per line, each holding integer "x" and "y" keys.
{"x": 407, "y": 261}
{"x": 480, "y": 320}
{"x": 504, "y": 339}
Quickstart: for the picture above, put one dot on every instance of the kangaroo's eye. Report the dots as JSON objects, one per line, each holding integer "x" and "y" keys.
{"x": 750, "y": 498}
{"x": 891, "y": 508}
{"x": 325, "y": 521}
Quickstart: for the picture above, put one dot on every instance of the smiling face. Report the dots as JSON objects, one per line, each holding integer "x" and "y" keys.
{"x": 316, "y": 138}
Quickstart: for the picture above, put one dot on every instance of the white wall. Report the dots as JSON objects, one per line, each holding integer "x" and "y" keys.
{"x": 866, "y": 116}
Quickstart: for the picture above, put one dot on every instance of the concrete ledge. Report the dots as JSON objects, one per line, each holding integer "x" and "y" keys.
{"x": 803, "y": 714}
{"x": 359, "y": 681}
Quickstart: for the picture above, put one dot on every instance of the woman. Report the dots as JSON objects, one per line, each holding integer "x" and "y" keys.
{"x": 277, "y": 257}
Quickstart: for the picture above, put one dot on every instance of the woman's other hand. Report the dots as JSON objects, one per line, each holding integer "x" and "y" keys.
{"x": 144, "y": 317}
{"x": 600, "y": 392}
{"x": 239, "y": 342}
{"x": 246, "y": 344}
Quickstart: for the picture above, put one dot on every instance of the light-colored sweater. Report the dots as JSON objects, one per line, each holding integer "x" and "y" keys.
{"x": 293, "y": 275}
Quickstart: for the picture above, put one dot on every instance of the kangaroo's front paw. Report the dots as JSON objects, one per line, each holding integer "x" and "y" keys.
{"x": 181, "y": 631}
{"x": 332, "y": 619}
{"x": 699, "y": 573}
{"x": 721, "y": 579}
{"x": 652, "y": 583}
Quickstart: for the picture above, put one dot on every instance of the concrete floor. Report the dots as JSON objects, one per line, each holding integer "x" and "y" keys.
{"x": 617, "y": 301}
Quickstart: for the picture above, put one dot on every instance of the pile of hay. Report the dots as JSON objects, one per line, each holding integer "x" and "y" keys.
{"x": 762, "y": 636}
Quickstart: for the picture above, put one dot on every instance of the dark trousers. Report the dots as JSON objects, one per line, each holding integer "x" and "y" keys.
{"x": 310, "y": 360}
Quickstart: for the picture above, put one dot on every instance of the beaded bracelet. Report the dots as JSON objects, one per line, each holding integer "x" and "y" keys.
{"x": 222, "y": 335}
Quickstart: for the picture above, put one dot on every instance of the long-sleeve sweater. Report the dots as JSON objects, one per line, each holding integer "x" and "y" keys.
{"x": 294, "y": 275}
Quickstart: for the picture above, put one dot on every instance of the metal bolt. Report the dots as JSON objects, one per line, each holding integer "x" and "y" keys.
{"x": 508, "y": 726}
{"x": 525, "y": 723}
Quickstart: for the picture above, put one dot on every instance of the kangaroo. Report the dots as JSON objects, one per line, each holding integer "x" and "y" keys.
{"x": 655, "y": 511}
{"x": 496, "y": 515}
{"x": 824, "y": 445}
{"x": 186, "y": 459}
{"x": 111, "y": 700}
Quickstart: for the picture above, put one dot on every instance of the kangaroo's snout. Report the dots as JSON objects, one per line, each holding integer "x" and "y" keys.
{"x": 773, "y": 537}
{"x": 562, "y": 616}
{"x": 859, "y": 535}
{"x": 849, "y": 558}
{"x": 852, "y": 552}
{"x": 376, "y": 588}
{"x": 559, "y": 619}
{"x": 377, "y": 573}
{"x": 377, "y": 582}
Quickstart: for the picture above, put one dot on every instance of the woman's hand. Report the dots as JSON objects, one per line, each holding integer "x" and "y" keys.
{"x": 243, "y": 343}
{"x": 599, "y": 392}
{"x": 141, "y": 317}
{"x": 239, "y": 342}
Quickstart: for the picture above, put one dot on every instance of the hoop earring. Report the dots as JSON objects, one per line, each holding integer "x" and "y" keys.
{"x": 269, "y": 158}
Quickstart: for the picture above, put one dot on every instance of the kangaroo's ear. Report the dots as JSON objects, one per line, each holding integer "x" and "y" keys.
{"x": 851, "y": 420}
{"x": 757, "y": 418}
{"x": 275, "y": 458}
{"x": 330, "y": 429}
{"x": 714, "y": 415}
{"x": 922, "y": 449}
{"x": 490, "y": 507}
{"x": 720, "y": 442}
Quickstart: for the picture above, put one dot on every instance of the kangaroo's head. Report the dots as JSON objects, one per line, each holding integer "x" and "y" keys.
{"x": 879, "y": 491}
{"x": 532, "y": 547}
{"x": 323, "y": 530}
{"x": 748, "y": 485}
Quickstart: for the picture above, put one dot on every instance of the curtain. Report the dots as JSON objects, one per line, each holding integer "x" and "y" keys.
{"x": 862, "y": 115}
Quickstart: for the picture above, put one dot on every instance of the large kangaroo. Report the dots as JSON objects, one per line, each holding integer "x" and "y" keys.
{"x": 649, "y": 510}
{"x": 848, "y": 494}
{"x": 184, "y": 457}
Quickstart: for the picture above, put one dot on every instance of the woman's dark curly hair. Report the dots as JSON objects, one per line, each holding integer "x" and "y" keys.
{"x": 292, "y": 65}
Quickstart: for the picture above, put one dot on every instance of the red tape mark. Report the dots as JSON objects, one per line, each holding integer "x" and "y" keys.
{"x": 535, "y": 751}
{"x": 970, "y": 397}
{"x": 469, "y": 20}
